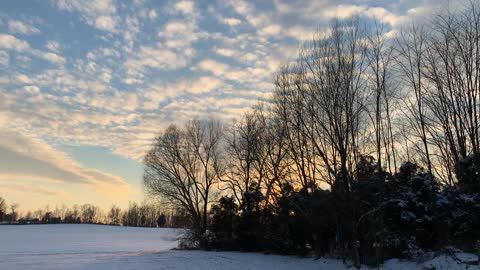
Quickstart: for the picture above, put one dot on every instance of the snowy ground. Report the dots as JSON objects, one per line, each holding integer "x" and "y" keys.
{"x": 105, "y": 247}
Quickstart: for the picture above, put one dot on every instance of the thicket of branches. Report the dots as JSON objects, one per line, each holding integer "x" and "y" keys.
{"x": 370, "y": 137}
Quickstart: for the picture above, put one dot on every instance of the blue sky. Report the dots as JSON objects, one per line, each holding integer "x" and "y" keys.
{"x": 85, "y": 85}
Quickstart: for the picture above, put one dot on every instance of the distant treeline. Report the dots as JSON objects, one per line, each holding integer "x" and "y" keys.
{"x": 368, "y": 149}
{"x": 136, "y": 215}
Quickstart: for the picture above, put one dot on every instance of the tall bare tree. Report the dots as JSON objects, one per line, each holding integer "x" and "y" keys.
{"x": 334, "y": 82}
{"x": 321, "y": 100}
{"x": 292, "y": 113}
{"x": 183, "y": 166}
{"x": 380, "y": 63}
{"x": 410, "y": 58}
{"x": 452, "y": 71}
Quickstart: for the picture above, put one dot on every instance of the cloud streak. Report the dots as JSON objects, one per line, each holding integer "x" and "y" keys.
{"x": 22, "y": 157}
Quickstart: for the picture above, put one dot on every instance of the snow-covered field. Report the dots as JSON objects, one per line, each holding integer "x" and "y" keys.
{"x": 106, "y": 247}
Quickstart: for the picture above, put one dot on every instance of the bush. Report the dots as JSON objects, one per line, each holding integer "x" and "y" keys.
{"x": 222, "y": 218}
{"x": 410, "y": 212}
{"x": 468, "y": 173}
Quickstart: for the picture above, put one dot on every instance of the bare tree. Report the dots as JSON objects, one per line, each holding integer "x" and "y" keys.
{"x": 13, "y": 211}
{"x": 321, "y": 101}
{"x": 452, "y": 71}
{"x": 114, "y": 215}
{"x": 292, "y": 116}
{"x": 246, "y": 154}
{"x": 89, "y": 213}
{"x": 275, "y": 161}
{"x": 334, "y": 82}
{"x": 410, "y": 58}
{"x": 3, "y": 208}
{"x": 380, "y": 63}
{"x": 184, "y": 165}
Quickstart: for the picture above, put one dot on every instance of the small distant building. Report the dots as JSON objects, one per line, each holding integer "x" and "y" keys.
{"x": 28, "y": 220}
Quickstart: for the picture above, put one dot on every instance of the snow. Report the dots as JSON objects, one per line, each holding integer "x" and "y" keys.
{"x": 83, "y": 238}
{"x": 100, "y": 247}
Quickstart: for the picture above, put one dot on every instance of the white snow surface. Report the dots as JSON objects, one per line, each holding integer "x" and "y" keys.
{"x": 98, "y": 247}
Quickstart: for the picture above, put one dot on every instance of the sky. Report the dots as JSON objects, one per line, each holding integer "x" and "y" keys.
{"x": 86, "y": 85}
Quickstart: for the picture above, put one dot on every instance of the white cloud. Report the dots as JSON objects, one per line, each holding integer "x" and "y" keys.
{"x": 179, "y": 34}
{"x": 131, "y": 102}
{"x": 16, "y": 26}
{"x": 116, "y": 102}
{"x": 100, "y": 14}
{"x": 230, "y": 21}
{"x": 214, "y": 67}
{"x": 152, "y": 14}
{"x": 384, "y": 15}
{"x": 52, "y": 57}
{"x": 12, "y": 43}
{"x": 153, "y": 57}
{"x": 184, "y": 6}
{"x": 132, "y": 81}
{"x": 342, "y": 11}
{"x": 154, "y": 96}
{"x": 32, "y": 89}
{"x": 160, "y": 93}
{"x": 53, "y": 46}
{"x": 24, "y": 79}
{"x": 282, "y": 7}
{"x": 223, "y": 70}
{"x": 204, "y": 85}
{"x": 379, "y": 13}
{"x": 300, "y": 33}
{"x": 88, "y": 7}
{"x": 241, "y": 7}
{"x": 225, "y": 52}
{"x": 272, "y": 29}
{"x": 241, "y": 56}
{"x": 199, "y": 85}
{"x": 63, "y": 80}
{"x": 106, "y": 23}
{"x": 106, "y": 76}
{"x": 248, "y": 57}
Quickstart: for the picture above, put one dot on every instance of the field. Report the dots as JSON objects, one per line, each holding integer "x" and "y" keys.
{"x": 108, "y": 247}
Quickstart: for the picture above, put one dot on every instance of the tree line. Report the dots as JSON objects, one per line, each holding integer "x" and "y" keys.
{"x": 136, "y": 215}
{"x": 368, "y": 148}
